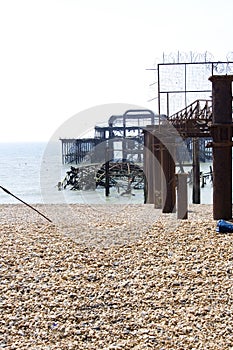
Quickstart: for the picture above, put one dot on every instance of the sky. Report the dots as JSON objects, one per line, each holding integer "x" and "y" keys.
{"x": 61, "y": 57}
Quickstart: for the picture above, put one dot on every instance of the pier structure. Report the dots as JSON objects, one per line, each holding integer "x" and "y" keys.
{"x": 201, "y": 121}
{"x": 213, "y": 120}
{"x": 192, "y": 124}
{"x": 123, "y": 135}
{"x": 205, "y": 152}
{"x": 74, "y": 151}
{"x": 125, "y": 139}
{"x": 179, "y": 83}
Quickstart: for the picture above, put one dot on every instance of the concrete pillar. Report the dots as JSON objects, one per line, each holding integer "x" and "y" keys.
{"x": 182, "y": 196}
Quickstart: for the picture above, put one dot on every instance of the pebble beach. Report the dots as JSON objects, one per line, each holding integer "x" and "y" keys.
{"x": 114, "y": 277}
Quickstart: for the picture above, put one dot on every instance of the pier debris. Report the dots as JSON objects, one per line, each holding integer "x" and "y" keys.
{"x": 203, "y": 177}
{"x": 125, "y": 175}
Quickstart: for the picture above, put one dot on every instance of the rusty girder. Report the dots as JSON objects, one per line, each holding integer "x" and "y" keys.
{"x": 193, "y": 120}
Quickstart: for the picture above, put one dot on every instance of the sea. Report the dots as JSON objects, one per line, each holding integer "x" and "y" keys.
{"x": 31, "y": 172}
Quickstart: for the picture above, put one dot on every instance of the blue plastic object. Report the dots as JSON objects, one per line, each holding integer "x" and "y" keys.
{"x": 224, "y": 226}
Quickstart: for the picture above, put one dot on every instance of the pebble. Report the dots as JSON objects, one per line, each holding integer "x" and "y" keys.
{"x": 151, "y": 282}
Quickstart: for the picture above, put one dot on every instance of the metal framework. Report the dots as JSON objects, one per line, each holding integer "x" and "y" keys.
{"x": 123, "y": 135}
{"x": 193, "y": 120}
{"x": 181, "y": 83}
{"x": 213, "y": 119}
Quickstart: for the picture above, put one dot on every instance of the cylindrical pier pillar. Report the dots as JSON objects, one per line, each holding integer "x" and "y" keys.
{"x": 221, "y": 131}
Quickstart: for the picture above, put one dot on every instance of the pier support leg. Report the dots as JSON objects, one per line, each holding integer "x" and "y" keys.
{"x": 107, "y": 188}
{"x": 196, "y": 171}
{"x": 148, "y": 168}
{"x": 222, "y": 172}
{"x": 182, "y": 196}
{"x": 157, "y": 173}
{"x": 221, "y": 131}
{"x": 168, "y": 182}
{"x": 152, "y": 169}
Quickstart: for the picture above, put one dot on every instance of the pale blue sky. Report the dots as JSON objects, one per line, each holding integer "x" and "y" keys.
{"x": 59, "y": 57}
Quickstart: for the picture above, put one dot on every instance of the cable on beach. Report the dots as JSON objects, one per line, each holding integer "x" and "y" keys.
{"x": 11, "y": 194}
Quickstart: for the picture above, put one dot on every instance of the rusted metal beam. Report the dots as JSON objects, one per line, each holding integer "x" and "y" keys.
{"x": 107, "y": 179}
{"x": 196, "y": 172}
{"x": 168, "y": 181}
{"x": 152, "y": 168}
{"x": 157, "y": 172}
{"x": 148, "y": 167}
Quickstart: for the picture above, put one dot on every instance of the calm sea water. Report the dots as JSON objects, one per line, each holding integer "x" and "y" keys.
{"x": 20, "y": 171}
{"x": 31, "y": 172}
